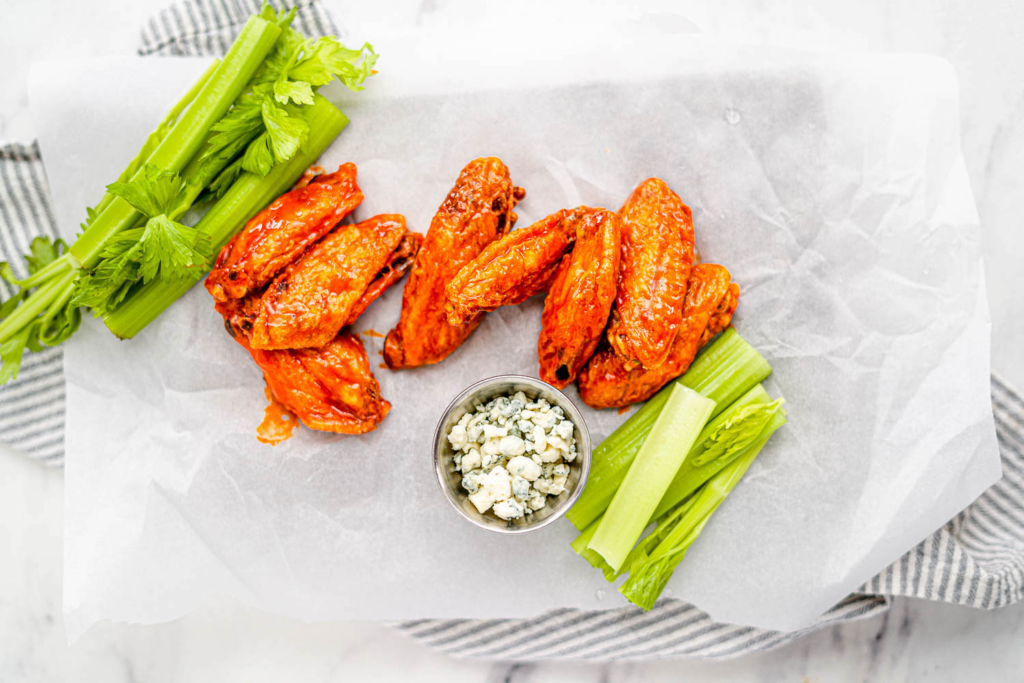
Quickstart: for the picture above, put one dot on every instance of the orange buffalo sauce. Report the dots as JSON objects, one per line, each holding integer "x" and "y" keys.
{"x": 278, "y": 422}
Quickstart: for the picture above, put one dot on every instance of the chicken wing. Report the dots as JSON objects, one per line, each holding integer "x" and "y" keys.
{"x": 312, "y": 299}
{"x": 478, "y": 210}
{"x": 331, "y": 389}
{"x": 610, "y": 381}
{"x": 512, "y": 269}
{"x": 580, "y": 298}
{"x": 394, "y": 270}
{"x": 657, "y": 255}
{"x": 279, "y": 234}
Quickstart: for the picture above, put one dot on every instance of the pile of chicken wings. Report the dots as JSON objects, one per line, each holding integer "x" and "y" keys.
{"x": 626, "y": 309}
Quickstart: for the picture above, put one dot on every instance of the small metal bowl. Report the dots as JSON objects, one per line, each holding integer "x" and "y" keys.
{"x": 450, "y": 481}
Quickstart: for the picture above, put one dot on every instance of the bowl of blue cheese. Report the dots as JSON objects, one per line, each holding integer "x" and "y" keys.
{"x": 511, "y": 454}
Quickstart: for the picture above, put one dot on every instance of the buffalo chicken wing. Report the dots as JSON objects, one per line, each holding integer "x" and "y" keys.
{"x": 580, "y": 298}
{"x": 477, "y": 211}
{"x": 512, "y": 269}
{"x": 279, "y": 234}
{"x": 312, "y": 299}
{"x": 657, "y": 254}
{"x": 611, "y": 381}
{"x": 331, "y": 389}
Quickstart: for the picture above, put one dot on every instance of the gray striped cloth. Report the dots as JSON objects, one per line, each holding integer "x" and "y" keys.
{"x": 976, "y": 560}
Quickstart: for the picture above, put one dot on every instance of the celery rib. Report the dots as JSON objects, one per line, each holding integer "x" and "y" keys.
{"x": 673, "y": 434}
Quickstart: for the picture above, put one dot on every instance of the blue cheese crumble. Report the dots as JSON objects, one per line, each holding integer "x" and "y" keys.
{"x": 513, "y": 452}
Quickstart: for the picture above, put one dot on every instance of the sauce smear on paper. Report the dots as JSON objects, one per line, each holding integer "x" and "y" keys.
{"x": 278, "y": 422}
{"x": 372, "y": 333}
{"x": 624, "y": 409}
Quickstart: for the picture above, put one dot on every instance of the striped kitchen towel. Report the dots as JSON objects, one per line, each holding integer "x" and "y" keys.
{"x": 976, "y": 560}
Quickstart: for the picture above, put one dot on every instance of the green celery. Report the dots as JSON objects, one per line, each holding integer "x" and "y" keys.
{"x": 651, "y": 564}
{"x": 174, "y": 151}
{"x": 189, "y": 132}
{"x": 721, "y": 442}
{"x": 246, "y": 197}
{"x": 723, "y": 371}
{"x": 63, "y": 264}
{"x": 689, "y": 478}
{"x": 673, "y": 434}
{"x": 158, "y": 135}
{"x": 581, "y": 549}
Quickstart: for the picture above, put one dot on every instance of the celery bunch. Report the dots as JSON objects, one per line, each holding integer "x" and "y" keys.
{"x": 243, "y": 133}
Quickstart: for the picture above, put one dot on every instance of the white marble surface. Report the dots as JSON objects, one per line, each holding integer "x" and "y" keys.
{"x": 224, "y": 643}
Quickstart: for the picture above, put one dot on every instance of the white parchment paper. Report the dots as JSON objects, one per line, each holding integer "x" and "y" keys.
{"x": 833, "y": 189}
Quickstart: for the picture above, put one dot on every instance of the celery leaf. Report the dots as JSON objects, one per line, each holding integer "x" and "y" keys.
{"x": 156, "y": 192}
{"x": 171, "y": 248}
{"x": 287, "y": 131}
{"x": 298, "y": 92}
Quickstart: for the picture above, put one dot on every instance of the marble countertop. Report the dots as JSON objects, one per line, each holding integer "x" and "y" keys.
{"x": 227, "y": 642}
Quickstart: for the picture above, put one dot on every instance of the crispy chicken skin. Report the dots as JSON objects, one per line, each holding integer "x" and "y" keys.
{"x": 580, "y": 298}
{"x": 312, "y": 299}
{"x": 512, "y": 269}
{"x": 657, "y": 255}
{"x": 611, "y": 381}
{"x": 477, "y": 211}
{"x": 331, "y": 389}
{"x": 279, "y": 234}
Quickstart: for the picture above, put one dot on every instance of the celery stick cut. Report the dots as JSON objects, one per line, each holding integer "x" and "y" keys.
{"x": 610, "y": 460}
{"x": 725, "y": 370}
{"x": 673, "y": 434}
{"x": 580, "y": 548}
{"x": 730, "y": 433}
{"x": 652, "y": 563}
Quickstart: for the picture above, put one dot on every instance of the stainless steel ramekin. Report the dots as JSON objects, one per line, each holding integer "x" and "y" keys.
{"x": 450, "y": 481}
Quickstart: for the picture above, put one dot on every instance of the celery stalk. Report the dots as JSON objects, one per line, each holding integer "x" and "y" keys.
{"x": 189, "y": 132}
{"x": 653, "y": 561}
{"x": 673, "y": 434}
{"x": 579, "y": 546}
{"x": 246, "y": 197}
{"x": 725, "y": 370}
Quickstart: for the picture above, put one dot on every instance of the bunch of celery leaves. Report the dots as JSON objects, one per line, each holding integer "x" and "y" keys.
{"x": 672, "y": 464}
{"x": 241, "y": 136}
